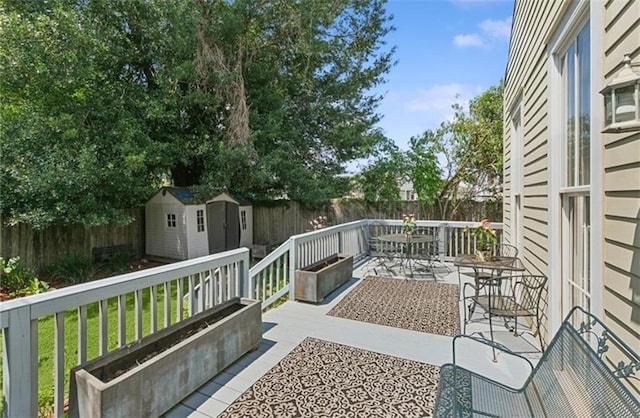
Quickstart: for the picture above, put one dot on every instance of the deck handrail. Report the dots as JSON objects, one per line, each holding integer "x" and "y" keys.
{"x": 273, "y": 276}
{"x": 269, "y": 280}
{"x": 19, "y": 319}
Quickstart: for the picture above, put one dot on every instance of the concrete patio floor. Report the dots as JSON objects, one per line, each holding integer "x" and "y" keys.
{"x": 288, "y": 325}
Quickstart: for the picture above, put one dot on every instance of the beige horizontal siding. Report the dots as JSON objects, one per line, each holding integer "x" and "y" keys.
{"x": 619, "y": 254}
{"x": 626, "y": 207}
{"x": 627, "y": 179}
{"x": 625, "y": 230}
{"x": 622, "y": 33}
{"x": 622, "y": 282}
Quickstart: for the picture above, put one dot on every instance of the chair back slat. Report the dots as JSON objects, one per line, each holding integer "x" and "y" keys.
{"x": 527, "y": 290}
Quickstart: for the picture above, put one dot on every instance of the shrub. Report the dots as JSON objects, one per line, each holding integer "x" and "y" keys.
{"x": 119, "y": 261}
{"x": 18, "y": 279}
{"x": 73, "y": 268}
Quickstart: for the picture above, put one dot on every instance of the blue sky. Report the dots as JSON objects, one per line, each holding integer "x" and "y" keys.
{"x": 444, "y": 48}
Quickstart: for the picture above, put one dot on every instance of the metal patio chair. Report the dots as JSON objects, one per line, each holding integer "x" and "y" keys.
{"x": 383, "y": 256}
{"x": 510, "y": 297}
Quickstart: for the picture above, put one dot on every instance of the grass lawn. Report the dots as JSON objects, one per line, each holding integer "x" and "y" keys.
{"x": 46, "y": 337}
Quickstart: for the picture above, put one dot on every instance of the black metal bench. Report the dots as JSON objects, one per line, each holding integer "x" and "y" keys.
{"x": 106, "y": 254}
{"x": 586, "y": 371}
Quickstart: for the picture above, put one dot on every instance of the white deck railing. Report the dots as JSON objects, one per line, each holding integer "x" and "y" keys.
{"x": 159, "y": 297}
{"x": 273, "y": 277}
{"x": 156, "y": 296}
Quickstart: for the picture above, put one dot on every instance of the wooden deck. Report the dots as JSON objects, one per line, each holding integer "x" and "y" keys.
{"x": 289, "y": 324}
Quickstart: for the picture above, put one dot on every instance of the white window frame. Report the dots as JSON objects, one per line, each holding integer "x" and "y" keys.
{"x": 200, "y": 220}
{"x": 171, "y": 220}
{"x": 573, "y": 20}
{"x": 243, "y": 219}
{"x": 516, "y": 174}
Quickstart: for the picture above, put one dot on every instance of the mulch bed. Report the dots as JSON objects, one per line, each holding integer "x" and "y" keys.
{"x": 324, "y": 379}
{"x": 408, "y": 304}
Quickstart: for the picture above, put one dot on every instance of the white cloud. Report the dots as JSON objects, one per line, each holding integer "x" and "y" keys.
{"x": 438, "y": 99}
{"x": 463, "y": 40}
{"x": 490, "y": 30}
{"x": 500, "y": 29}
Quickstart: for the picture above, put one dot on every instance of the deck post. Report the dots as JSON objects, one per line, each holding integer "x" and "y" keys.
{"x": 20, "y": 362}
{"x": 246, "y": 289}
{"x": 293, "y": 264}
{"x": 442, "y": 242}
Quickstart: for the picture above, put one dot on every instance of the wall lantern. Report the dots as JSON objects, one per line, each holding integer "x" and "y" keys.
{"x": 622, "y": 100}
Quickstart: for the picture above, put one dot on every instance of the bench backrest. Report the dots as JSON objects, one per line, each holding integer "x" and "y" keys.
{"x": 586, "y": 371}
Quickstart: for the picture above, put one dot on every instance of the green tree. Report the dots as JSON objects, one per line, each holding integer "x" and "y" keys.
{"x": 298, "y": 102}
{"x": 469, "y": 151}
{"x": 380, "y": 179}
{"x": 104, "y": 100}
{"x": 79, "y": 86}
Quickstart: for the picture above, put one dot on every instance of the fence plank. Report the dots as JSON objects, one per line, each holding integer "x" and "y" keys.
{"x": 39, "y": 249}
{"x": 275, "y": 224}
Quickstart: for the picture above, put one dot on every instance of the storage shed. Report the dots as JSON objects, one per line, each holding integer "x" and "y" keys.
{"x": 175, "y": 225}
{"x": 230, "y": 219}
{"x": 178, "y": 227}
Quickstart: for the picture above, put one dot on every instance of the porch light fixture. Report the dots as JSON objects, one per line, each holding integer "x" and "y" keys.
{"x": 622, "y": 100}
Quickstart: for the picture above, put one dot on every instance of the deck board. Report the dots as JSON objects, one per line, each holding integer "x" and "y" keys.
{"x": 289, "y": 324}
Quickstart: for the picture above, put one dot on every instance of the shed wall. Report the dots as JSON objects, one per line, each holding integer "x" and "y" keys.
{"x": 162, "y": 240}
{"x": 197, "y": 242}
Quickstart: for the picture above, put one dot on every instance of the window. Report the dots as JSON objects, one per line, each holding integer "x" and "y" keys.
{"x": 575, "y": 72}
{"x": 171, "y": 220}
{"x": 243, "y": 219}
{"x": 516, "y": 151}
{"x": 575, "y": 190}
{"x": 200, "y": 220}
{"x": 407, "y": 195}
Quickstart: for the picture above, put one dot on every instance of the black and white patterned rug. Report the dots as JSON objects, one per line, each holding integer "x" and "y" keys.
{"x": 409, "y": 304}
{"x": 324, "y": 379}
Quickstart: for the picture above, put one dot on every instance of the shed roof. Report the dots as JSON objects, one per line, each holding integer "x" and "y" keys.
{"x": 187, "y": 197}
{"x": 183, "y": 194}
{"x": 235, "y": 197}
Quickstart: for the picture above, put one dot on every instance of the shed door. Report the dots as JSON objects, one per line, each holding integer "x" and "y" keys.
{"x": 223, "y": 226}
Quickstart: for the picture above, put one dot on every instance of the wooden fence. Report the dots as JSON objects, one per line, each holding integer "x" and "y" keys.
{"x": 42, "y": 248}
{"x": 275, "y": 222}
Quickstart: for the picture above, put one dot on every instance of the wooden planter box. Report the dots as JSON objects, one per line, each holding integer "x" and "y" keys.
{"x": 317, "y": 280}
{"x": 199, "y": 348}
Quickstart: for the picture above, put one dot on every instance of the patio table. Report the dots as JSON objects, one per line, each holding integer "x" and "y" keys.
{"x": 413, "y": 248}
{"x": 497, "y": 264}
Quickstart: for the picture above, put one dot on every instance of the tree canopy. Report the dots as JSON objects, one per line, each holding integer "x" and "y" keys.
{"x": 459, "y": 161}
{"x": 468, "y": 149}
{"x": 104, "y": 100}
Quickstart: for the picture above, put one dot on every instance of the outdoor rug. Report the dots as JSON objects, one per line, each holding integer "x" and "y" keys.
{"x": 409, "y": 304}
{"x": 324, "y": 379}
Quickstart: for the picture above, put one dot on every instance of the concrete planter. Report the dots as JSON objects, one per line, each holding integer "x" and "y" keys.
{"x": 317, "y": 280}
{"x": 199, "y": 348}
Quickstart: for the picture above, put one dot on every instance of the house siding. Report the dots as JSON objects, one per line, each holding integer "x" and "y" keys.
{"x": 621, "y": 157}
{"x": 527, "y": 82}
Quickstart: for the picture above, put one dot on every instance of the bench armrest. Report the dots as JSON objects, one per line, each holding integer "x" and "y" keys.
{"x": 491, "y": 344}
